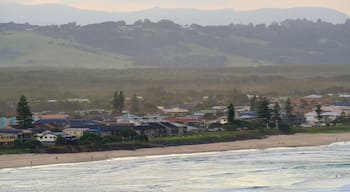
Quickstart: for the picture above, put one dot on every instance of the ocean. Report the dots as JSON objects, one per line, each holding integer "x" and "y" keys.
{"x": 304, "y": 169}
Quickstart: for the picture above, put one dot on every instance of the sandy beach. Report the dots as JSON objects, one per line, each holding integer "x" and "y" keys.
{"x": 297, "y": 140}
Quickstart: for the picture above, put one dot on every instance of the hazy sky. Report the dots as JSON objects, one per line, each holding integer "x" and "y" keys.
{"x": 131, "y": 5}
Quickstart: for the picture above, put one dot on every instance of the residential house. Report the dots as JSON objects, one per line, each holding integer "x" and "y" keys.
{"x": 8, "y": 136}
{"x": 52, "y": 116}
{"x": 176, "y": 111}
{"x": 326, "y": 117}
{"x": 77, "y": 132}
{"x": 150, "y": 129}
{"x": 134, "y": 119}
{"x": 66, "y": 123}
{"x": 190, "y": 121}
{"x": 46, "y": 137}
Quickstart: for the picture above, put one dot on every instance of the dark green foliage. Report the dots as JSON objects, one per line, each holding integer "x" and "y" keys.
{"x": 165, "y": 43}
{"x": 231, "y": 114}
{"x": 256, "y": 124}
{"x": 285, "y": 127}
{"x": 264, "y": 112}
{"x": 141, "y": 138}
{"x": 24, "y": 115}
{"x": 289, "y": 108}
{"x": 91, "y": 139}
{"x": 318, "y": 111}
{"x": 112, "y": 139}
{"x": 27, "y": 144}
{"x": 277, "y": 111}
{"x": 63, "y": 141}
{"x": 118, "y": 102}
{"x": 128, "y": 134}
{"x": 239, "y": 125}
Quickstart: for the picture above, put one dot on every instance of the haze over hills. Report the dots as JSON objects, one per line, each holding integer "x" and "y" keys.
{"x": 59, "y": 14}
{"x": 167, "y": 44}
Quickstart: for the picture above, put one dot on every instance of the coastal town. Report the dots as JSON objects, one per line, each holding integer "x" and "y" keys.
{"x": 124, "y": 123}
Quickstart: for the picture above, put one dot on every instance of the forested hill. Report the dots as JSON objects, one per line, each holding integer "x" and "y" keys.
{"x": 167, "y": 44}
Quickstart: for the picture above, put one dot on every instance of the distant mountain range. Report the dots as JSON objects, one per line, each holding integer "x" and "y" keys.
{"x": 167, "y": 44}
{"x": 47, "y": 14}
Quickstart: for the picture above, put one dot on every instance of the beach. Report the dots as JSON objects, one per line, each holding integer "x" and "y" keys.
{"x": 297, "y": 140}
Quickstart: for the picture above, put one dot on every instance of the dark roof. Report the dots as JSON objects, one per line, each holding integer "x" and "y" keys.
{"x": 10, "y": 131}
{"x": 115, "y": 127}
{"x": 347, "y": 104}
{"x": 56, "y": 122}
{"x": 75, "y": 123}
{"x": 157, "y": 125}
{"x": 170, "y": 125}
{"x": 84, "y": 123}
{"x": 37, "y": 130}
{"x": 250, "y": 113}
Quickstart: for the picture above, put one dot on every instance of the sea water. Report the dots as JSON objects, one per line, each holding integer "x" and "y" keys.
{"x": 305, "y": 169}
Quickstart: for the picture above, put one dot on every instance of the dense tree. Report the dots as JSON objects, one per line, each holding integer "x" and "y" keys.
{"x": 118, "y": 102}
{"x": 318, "y": 111}
{"x": 289, "y": 108}
{"x": 264, "y": 112}
{"x": 24, "y": 115}
{"x": 135, "y": 108}
{"x": 285, "y": 127}
{"x": 150, "y": 42}
{"x": 231, "y": 114}
{"x": 91, "y": 139}
{"x": 277, "y": 111}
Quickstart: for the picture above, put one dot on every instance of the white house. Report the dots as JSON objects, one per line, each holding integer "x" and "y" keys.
{"x": 311, "y": 117}
{"x": 46, "y": 137}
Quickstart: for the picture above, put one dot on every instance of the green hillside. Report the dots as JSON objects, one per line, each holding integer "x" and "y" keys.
{"x": 32, "y": 49}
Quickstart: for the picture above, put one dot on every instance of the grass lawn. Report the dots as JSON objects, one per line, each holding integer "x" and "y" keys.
{"x": 332, "y": 129}
{"x": 210, "y": 137}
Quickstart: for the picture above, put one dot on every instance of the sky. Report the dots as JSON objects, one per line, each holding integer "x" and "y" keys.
{"x": 134, "y": 5}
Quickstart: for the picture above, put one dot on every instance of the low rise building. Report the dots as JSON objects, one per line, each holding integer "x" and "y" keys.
{"x": 77, "y": 132}
{"x": 8, "y": 136}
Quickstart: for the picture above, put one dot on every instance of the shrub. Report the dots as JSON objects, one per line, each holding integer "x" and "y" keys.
{"x": 91, "y": 139}
{"x": 285, "y": 127}
{"x": 27, "y": 144}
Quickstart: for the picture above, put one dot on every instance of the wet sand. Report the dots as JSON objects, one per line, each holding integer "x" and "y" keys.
{"x": 297, "y": 140}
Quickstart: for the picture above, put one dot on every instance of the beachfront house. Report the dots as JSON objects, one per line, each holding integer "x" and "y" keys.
{"x": 8, "y": 136}
{"x": 76, "y": 132}
{"x": 46, "y": 137}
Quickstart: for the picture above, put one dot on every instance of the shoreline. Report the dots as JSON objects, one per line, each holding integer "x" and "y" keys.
{"x": 278, "y": 141}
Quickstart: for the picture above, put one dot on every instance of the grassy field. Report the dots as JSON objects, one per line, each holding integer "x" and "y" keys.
{"x": 333, "y": 129}
{"x": 209, "y": 137}
{"x": 98, "y": 83}
{"x": 34, "y": 50}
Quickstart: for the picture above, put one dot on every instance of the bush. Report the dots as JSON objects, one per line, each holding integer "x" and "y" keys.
{"x": 256, "y": 125}
{"x": 112, "y": 139}
{"x": 285, "y": 127}
{"x": 215, "y": 125}
{"x": 141, "y": 138}
{"x": 27, "y": 144}
{"x": 91, "y": 139}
